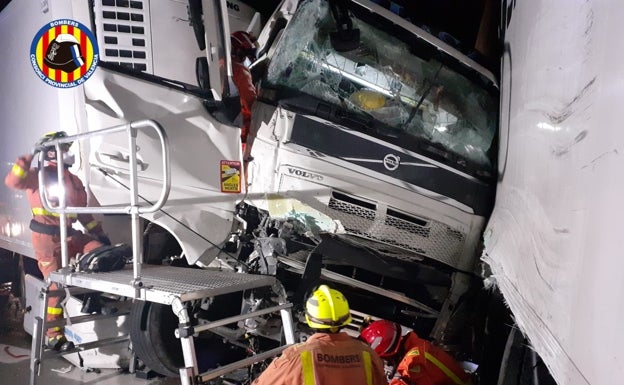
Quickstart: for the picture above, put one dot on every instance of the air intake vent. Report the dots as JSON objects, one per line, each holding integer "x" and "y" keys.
{"x": 394, "y": 215}
{"x": 351, "y": 205}
{"x": 123, "y": 33}
{"x": 419, "y": 235}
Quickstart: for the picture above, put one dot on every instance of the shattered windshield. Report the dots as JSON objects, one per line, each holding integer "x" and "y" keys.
{"x": 384, "y": 81}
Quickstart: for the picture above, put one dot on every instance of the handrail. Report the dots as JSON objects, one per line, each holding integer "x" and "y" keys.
{"x": 236, "y": 318}
{"x": 134, "y": 209}
{"x": 132, "y": 129}
{"x": 225, "y": 369}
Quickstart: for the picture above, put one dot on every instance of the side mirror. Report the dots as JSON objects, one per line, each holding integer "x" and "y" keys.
{"x": 202, "y": 72}
{"x": 195, "y": 15}
{"x": 346, "y": 38}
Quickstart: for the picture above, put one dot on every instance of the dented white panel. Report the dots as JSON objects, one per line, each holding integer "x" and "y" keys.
{"x": 554, "y": 238}
{"x": 294, "y": 179}
{"x": 197, "y": 212}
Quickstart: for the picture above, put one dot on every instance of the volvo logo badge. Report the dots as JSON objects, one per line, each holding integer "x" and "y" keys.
{"x": 391, "y": 162}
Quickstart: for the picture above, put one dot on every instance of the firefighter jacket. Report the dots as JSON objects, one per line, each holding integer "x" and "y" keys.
{"x": 326, "y": 359}
{"x": 22, "y": 177}
{"x": 247, "y": 93}
{"x": 427, "y": 364}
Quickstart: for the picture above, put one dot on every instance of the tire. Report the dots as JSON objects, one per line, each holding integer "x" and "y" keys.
{"x": 8, "y": 267}
{"x": 521, "y": 365}
{"x": 27, "y": 266}
{"x": 152, "y": 330}
{"x": 19, "y": 289}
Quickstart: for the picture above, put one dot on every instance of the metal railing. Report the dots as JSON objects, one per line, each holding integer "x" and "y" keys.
{"x": 134, "y": 209}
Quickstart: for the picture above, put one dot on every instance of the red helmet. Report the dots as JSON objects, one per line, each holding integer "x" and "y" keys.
{"x": 243, "y": 45}
{"x": 383, "y": 336}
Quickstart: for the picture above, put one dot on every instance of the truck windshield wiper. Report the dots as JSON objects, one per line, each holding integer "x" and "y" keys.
{"x": 422, "y": 98}
{"x": 364, "y": 121}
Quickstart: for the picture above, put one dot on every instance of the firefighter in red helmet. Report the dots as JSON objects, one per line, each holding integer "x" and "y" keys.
{"x": 244, "y": 48}
{"x": 421, "y": 362}
{"x": 45, "y": 229}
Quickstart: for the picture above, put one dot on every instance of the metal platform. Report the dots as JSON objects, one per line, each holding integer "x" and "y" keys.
{"x": 173, "y": 286}
{"x": 165, "y": 284}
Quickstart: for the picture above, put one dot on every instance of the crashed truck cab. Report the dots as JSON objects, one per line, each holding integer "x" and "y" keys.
{"x": 383, "y": 155}
{"x": 373, "y": 163}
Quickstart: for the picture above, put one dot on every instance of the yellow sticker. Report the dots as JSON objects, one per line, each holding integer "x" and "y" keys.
{"x": 230, "y": 176}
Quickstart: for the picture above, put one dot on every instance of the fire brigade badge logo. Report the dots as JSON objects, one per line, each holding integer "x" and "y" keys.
{"x": 64, "y": 53}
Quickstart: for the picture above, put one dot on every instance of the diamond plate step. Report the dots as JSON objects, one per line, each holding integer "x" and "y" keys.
{"x": 164, "y": 284}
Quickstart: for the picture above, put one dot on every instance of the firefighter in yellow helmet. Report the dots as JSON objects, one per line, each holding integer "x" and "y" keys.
{"x": 328, "y": 356}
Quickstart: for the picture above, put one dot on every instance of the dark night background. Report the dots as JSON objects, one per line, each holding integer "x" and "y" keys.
{"x": 460, "y": 18}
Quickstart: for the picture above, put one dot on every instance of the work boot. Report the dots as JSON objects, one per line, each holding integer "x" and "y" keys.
{"x": 91, "y": 304}
{"x": 106, "y": 310}
{"x": 60, "y": 343}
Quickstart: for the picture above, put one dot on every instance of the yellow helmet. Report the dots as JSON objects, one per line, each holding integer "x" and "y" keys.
{"x": 55, "y": 135}
{"x": 41, "y": 144}
{"x": 327, "y": 308}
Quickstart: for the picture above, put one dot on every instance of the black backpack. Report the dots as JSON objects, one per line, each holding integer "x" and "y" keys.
{"x": 104, "y": 258}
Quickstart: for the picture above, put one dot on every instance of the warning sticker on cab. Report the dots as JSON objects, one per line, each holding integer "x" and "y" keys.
{"x": 230, "y": 176}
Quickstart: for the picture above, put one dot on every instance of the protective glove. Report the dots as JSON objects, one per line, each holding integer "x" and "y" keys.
{"x": 365, "y": 322}
{"x": 104, "y": 239}
{"x": 28, "y": 158}
{"x": 36, "y": 149}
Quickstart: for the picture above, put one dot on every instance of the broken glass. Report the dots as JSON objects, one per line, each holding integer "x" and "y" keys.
{"x": 385, "y": 81}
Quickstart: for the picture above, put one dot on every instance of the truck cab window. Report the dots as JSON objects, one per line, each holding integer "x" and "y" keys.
{"x": 385, "y": 83}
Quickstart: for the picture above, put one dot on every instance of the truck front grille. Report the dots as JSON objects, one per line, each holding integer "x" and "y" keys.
{"x": 422, "y": 236}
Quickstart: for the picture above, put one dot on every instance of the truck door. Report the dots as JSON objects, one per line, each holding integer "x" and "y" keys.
{"x": 213, "y": 21}
{"x": 210, "y": 22}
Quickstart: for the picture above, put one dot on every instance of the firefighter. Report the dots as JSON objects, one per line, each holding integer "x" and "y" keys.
{"x": 45, "y": 224}
{"x": 328, "y": 356}
{"x": 243, "y": 49}
{"x": 422, "y": 363}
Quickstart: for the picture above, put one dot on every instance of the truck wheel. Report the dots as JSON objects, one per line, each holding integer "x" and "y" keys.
{"x": 521, "y": 365}
{"x": 152, "y": 330}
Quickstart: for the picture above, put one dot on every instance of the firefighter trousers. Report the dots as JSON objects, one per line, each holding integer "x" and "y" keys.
{"x": 48, "y": 255}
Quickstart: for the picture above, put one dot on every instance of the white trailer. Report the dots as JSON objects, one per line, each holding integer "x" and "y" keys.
{"x": 553, "y": 241}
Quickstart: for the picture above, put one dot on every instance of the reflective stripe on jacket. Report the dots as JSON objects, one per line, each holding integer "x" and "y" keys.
{"x": 43, "y": 212}
{"x": 310, "y": 366}
{"x": 326, "y": 359}
{"x": 22, "y": 177}
{"x": 427, "y": 364}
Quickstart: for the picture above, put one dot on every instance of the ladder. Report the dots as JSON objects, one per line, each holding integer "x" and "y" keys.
{"x": 171, "y": 286}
